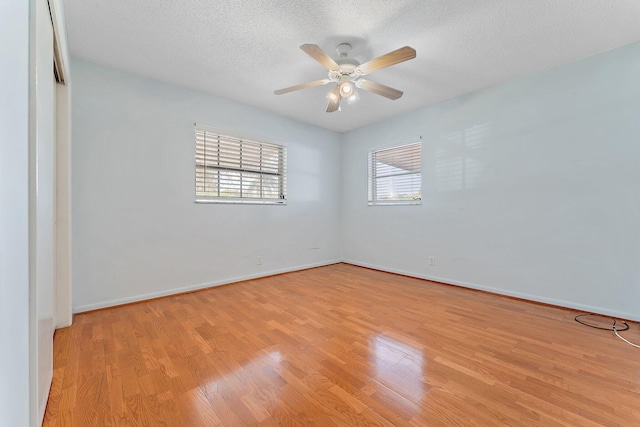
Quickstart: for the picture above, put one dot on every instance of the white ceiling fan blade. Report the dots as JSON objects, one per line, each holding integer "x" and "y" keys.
{"x": 314, "y": 51}
{"x": 301, "y": 86}
{"x": 392, "y": 58}
{"x": 334, "y": 99}
{"x": 379, "y": 89}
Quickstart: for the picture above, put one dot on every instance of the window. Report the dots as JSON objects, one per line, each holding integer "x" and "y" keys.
{"x": 235, "y": 170}
{"x": 395, "y": 176}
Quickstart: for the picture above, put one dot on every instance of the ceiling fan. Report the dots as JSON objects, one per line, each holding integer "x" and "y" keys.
{"x": 347, "y": 73}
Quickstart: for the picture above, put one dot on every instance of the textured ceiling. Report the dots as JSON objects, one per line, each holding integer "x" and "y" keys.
{"x": 245, "y": 49}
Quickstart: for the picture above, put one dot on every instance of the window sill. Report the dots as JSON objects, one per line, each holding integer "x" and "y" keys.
{"x": 278, "y": 202}
{"x": 397, "y": 203}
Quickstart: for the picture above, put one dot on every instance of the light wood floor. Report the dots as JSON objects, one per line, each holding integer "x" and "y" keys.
{"x": 341, "y": 345}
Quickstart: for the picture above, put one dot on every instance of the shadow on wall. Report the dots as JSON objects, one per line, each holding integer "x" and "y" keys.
{"x": 458, "y": 158}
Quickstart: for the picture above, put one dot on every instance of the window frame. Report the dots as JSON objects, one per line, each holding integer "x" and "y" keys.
{"x": 372, "y": 178}
{"x": 250, "y": 142}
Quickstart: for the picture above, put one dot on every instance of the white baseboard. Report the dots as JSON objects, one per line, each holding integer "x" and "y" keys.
{"x": 174, "y": 291}
{"x": 522, "y": 295}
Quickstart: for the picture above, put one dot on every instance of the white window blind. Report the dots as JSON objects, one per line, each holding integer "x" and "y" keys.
{"x": 395, "y": 175}
{"x": 235, "y": 170}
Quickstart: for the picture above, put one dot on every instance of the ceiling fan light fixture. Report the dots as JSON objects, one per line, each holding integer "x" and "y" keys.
{"x": 332, "y": 96}
{"x": 346, "y": 89}
{"x": 354, "y": 97}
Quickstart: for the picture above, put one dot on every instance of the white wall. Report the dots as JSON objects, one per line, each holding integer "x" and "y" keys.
{"x": 42, "y": 209}
{"x": 531, "y": 189}
{"x": 14, "y": 213}
{"x": 136, "y": 230}
{"x": 63, "y": 315}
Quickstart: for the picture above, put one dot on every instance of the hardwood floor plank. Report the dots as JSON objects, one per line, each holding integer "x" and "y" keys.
{"x": 339, "y": 346}
{"x": 389, "y": 404}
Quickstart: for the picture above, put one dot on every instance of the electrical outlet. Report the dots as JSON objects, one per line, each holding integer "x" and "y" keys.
{"x": 432, "y": 260}
{"x": 259, "y": 260}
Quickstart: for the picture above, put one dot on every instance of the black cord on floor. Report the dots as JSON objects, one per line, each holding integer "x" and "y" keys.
{"x": 612, "y": 328}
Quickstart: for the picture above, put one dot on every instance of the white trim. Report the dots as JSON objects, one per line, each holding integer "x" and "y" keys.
{"x": 63, "y": 316}
{"x": 174, "y": 291}
{"x": 227, "y": 141}
{"x": 239, "y": 201}
{"x": 522, "y": 295}
{"x": 497, "y": 291}
{"x": 416, "y": 202}
{"x": 372, "y": 174}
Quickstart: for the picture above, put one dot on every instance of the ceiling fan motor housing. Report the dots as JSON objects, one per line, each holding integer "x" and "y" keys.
{"x": 347, "y": 64}
{"x": 343, "y": 49}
